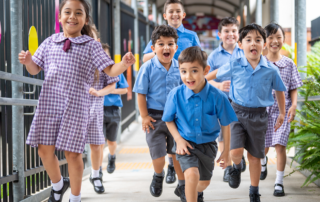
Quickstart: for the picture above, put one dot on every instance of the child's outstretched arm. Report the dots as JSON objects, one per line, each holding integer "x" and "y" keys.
{"x": 224, "y": 85}
{"x": 212, "y": 75}
{"x": 225, "y": 155}
{"x": 120, "y": 91}
{"x": 25, "y": 58}
{"x": 146, "y": 119}
{"x": 117, "y": 69}
{"x": 292, "y": 110}
{"x": 148, "y": 56}
{"x": 182, "y": 144}
{"x": 105, "y": 91}
{"x": 281, "y": 104}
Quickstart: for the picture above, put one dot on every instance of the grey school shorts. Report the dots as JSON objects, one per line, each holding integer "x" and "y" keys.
{"x": 159, "y": 140}
{"x": 111, "y": 120}
{"x": 201, "y": 156}
{"x": 250, "y": 130}
{"x": 220, "y": 138}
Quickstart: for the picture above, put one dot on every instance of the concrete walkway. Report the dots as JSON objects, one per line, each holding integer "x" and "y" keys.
{"x": 131, "y": 180}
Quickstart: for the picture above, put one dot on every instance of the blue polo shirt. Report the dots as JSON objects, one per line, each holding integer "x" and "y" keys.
{"x": 187, "y": 38}
{"x": 156, "y": 82}
{"x": 115, "y": 99}
{"x": 252, "y": 88}
{"x": 197, "y": 116}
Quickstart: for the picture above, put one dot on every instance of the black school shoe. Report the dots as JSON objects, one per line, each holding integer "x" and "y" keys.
{"x": 264, "y": 174}
{"x": 243, "y": 164}
{"x": 180, "y": 192}
{"x": 200, "y": 197}
{"x": 100, "y": 189}
{"x": 226, "y": 174}
{"x": 254, "y": 197}
{"x": 235, "y": 178}
{"x": 171, "y": 175}
{"x": 156, "y": 185}
{"x": 66, "y": 185}
{"x": 111, "y": 164}
{"x": 279, "y": 193}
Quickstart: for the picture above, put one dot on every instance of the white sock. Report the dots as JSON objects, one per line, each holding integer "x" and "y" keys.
{"x": 57, "y": 187}
{"x": 279, "y": 179}
{"x": 75, "y": 198}
{"x": 263, "y": 162}
{"x": 95, "y": 174}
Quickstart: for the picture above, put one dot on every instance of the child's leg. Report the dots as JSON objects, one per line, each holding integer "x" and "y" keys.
{"x": 75, "y": 168}
{"x": 192, "y": 177}
{"x": 255, "y": 169}
{"x": 101, "y": 154}
{"x": 112, "y": 145}
{"x": 158, "y": 164}
{"x": 236, "y": 156}
{"x": 202, "y": 185}
{"x": 281, "y": 163}
{"x": 177, "y": 167}
{"x": 50, "y": 162}
{"x": 95, "y": 156}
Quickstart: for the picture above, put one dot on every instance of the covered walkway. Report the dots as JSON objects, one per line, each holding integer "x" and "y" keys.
{"x": 131, "y": 180}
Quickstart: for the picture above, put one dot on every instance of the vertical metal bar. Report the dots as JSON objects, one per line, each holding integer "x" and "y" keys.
{"x": 259, "y": 12}
{"x": 17, "y": 87}
{"x": 154, "y": 12}
{"x": 241, "y": 14}
{"x": 274, "y": 11}
{"x": 146, "y": 13}
{"x": 248, "y": 17}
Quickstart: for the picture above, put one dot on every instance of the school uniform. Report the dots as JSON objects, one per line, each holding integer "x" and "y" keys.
{"x": 292, "y": 80}
{"x": 95, "y": 128}
{"x": 198, "y": 118}
{"x": 251, "y": 93}
{"x": 220, "y": 57}
{"x": 111, "y": 117}
{"x": 156, "y": 82}
{"x": 62, "y": 115}
{"x": 187, "y": 38}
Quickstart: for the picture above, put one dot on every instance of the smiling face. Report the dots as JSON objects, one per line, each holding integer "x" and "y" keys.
{"x": 192, "y": 75}
{"x": 229, "y": 34}
{"x": 165, "y": 48}
{"x": 275, "y": 42}
{"x": 72, "y": 18}
{"x": 174, "y": 15}
{"x": 252, "y": 45}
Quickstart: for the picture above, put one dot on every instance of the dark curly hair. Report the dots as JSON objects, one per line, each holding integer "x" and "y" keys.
{"x": 193, "y": 54}
{"x": 244, "y": 31}
{"x": 165, "y": 31}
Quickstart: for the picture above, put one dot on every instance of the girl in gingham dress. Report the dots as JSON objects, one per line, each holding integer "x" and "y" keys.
{"x": 292, "y": 80}
{"x": 68, "y": 60}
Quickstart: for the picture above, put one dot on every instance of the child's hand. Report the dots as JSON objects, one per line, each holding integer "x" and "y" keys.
{"x": 225, "y": 86}
{"x": 128, "y": 59}
{"x": 291, "y": 113}
{"x": 146, "y": 123}
{"x": 182, "y": 147}
{"x": 25, "y": 58}
{"x": 225, "y": 158}
{"x": 94, "y": 92}
{"x": 279, "y": 122}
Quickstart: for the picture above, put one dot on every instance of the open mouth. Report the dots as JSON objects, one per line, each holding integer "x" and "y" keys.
{"x": 190, "y": 83}
{"x": 72, "y": 23}
{"x": 166, "y": 55}
{"x": 254, "y": 51}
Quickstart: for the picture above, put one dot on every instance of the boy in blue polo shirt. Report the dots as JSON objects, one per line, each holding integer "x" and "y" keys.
{"x": 174, "y": 13}
{"x": 252, "y": 81}
{"x": 193, "y": 113}
{"x": 228, "y": 31}
{"x": 155, "y": 80}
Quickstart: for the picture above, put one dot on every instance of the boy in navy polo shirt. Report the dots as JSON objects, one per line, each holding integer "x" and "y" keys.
{"x": 156, "y": 78}
{"x": 252, "y": 81}
{"x": 174, "y": 13}
{"x": 193, "y": 113}
{"x": 228, "y": 50}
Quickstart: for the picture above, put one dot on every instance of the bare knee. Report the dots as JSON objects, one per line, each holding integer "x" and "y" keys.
{"x": 204, "y": 184}
{"x": 280, "y": 149}
{"x": 45, "y": 152}
{"x": 95, "y": 148}
{"x": 112, "y": 143}
{"x": 72, "y": 155}
{"x": 236, "y": 152}
{"x": 192, "y": 174}
{"x": 253, "y": 160}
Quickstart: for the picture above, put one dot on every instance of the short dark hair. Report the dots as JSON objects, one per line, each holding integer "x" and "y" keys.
{"x": 193, "y": 54}
{"x": 105, "y": 46}
{"x": 244, "y": 31}
{"x": 165, "y": 31}
{"x": 168, "y": 2}
{"x": 272, "y": 28}
{"x": 228, "y": 21}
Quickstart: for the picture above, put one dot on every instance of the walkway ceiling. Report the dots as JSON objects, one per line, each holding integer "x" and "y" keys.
{"x": 218, "y": 8}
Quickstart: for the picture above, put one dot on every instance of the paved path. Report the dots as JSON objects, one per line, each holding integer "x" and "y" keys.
{"x": 130, "y": 182}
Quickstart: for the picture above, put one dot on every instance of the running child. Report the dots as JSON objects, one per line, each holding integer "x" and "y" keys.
{"x": 252, "y": 81}
{"x": 292, "y": 81}
{"x": 69, "y": 60}
{"x": 193, "y": 114}
{"x": 228, "y": 31}
{"x": 156, "y": 78}
{"x": 174, "y": 13}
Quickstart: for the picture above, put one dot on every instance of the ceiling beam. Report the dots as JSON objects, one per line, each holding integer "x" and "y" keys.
{"x": 224, "y": 1}
{"x": 209, "y": 5}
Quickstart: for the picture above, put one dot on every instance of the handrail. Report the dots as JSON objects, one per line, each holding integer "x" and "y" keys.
{"x": 17, "y": 101}
{"x": 18, "y": 78}
{"x": 310, "y": 98}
